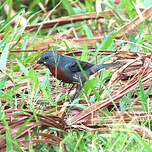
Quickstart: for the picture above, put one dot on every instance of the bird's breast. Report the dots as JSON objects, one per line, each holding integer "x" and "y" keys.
{"x": 60, "y": 74}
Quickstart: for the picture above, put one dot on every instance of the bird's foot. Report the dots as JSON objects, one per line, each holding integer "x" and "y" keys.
{"x": 74, "y": 96}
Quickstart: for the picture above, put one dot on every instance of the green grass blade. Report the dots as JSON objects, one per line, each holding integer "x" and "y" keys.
{"x": 68, "y": 7}
{"x": 10, "y": 20}
{"x": 143, "y": 95}
{"x": 2, "y": 5}
{"x": 23, "y": 126}
{"x": 88, "y": 31}
{"x": 9, "y": 145}
{"x": 107, "y": 42}
{"x": 84, "y": 55}
{"x": 23, "y": 68}
{"x": 147, "y": 147}
{"x": 3, "y": 58}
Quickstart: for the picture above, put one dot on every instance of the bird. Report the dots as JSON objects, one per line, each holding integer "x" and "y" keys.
{"x": 69, "y": 69}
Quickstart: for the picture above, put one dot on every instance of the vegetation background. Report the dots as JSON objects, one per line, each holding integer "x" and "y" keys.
{"x": 113, "y": 111}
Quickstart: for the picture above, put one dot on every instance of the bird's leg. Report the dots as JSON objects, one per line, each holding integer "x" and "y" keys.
{"x": 74, "y": 96}
{"x": 78, "y": 88}
{"x": 72, "y": 87}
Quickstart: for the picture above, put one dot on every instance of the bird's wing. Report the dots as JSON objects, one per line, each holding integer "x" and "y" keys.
{"x": 74, "y": 67}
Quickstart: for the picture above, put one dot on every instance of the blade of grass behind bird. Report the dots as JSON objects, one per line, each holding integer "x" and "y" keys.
{"x": 107, "y": 42}
{"x": 89, "y": 84}
{"x": 84, "y": 55}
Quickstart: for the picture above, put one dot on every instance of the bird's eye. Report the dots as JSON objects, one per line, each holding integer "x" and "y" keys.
{"x": 46, "y": 57}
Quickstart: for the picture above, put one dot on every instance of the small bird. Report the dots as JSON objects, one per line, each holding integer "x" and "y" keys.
{"x": 68, "y": 69}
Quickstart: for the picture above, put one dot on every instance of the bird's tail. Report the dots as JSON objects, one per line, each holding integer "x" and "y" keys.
{"x": 96, "y": 68}
{"x": 107, "y": 65}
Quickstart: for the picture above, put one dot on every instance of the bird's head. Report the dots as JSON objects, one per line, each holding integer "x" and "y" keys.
{"x": 49, "y": 58}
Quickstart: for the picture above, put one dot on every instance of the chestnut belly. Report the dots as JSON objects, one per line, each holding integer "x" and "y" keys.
{"x": 60, "y": 75}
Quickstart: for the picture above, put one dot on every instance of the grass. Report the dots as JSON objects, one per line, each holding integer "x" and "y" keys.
{"x": 35, "y": 108}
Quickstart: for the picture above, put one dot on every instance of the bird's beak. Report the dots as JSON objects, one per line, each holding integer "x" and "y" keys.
{"x": 39, "y": 61}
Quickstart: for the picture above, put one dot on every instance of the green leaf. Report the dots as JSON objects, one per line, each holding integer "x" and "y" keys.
{"x": 23, "y": 68}
{"x": 5, "y": 40}
{"x": 9, "y": 145}
{"x": 10, "y": 20}
{"x": 45, "y": 94}
{"x": 68, "y": 7}
{"x": 147, "y": 147}
{"x": 130, "y": 8}
{"x": 3, "y": 58}
{"x": 34, "y": 78}
{"x": 124, "y": 101}
{"x": 143, "y": 95}
{"x": 2, "y": 5}
{"x": 147, "y": 92}
{"x": 133, "y": 46}
{"x": 68, "y": 48}
{"x": 89, "y": 85}
{"x": 89, "y": 5}
{"x": 2, "y": 82}
{"x": 106, "y": 58}
{"x": 107, "y": 42}
{"x": 84, "y": 55}
{"x": 33, "y": 4}
{"x": 88, "y": 31}
{"x": 92, "y": 87}
{"x": 10, "y": 9}
{"x": 23, "y": 125}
